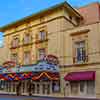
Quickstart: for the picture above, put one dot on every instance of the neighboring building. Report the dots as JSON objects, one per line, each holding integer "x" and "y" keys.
{"x": 3, "y": 54}
{"x": 71, "y": 35}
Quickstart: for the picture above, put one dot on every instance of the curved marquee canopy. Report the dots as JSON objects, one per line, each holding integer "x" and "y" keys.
{"x": 41, "y": 71}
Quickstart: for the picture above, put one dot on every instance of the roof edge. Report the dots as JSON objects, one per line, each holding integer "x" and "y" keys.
{"x": 5, "y": 27}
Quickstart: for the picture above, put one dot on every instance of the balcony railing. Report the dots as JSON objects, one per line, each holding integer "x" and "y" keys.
{"x": 83, "y": 60}
{"x": 27, "y": 43}
{"x": 41, "y": 41}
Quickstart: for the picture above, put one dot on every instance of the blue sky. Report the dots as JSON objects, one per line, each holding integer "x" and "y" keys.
{"x": 12, "y": 10}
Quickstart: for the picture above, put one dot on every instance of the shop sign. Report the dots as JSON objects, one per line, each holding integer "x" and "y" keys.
{"x": 9, "y": 64}
{"x": 51, "y": 59}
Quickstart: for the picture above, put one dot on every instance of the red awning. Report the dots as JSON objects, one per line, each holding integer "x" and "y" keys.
{"x": 78, "y": 76}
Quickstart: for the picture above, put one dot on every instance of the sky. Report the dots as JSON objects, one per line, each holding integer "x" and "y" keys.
{"x": 12, "y": 10}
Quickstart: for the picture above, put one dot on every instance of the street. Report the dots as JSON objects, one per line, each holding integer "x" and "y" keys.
{"x": 13, "y": 97}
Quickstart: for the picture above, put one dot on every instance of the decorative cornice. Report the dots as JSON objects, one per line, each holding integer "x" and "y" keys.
{"x": 79, "y": 32}
{"x": 45, "y": 22}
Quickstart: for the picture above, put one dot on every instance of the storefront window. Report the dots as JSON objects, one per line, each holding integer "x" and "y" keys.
{"x": 38, "y": 88}
{"x": 91, "y": 87}
{"x": 56, "y": 86}
{"x": 74, "y": 87}
{"x": 1, "y": 84}
{"x": 23, "y": 86}
{"x": 33, "y": 88}
{"x": 83, "y": 87}
{"x": 48, "y": 88}
{"x": 13, "y": 83}
{"x": 43, "y": 88}
{"x": 9, "y": 86}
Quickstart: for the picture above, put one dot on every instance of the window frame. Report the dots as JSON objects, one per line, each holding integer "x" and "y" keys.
{"x": 42, "y": 35}
{"x": 24, "y": 58}
{"x": 40, "y": 58}
{"x": 80, "y": 45}
{"x": 27, "y": 39}
{"x": 15, "y": 42}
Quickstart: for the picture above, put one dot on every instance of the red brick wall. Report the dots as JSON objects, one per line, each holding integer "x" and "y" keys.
{"x": 91, "y": 13}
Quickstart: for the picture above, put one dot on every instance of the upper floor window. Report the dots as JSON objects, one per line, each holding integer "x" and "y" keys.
{"x": 42, "y": 35}
{"x": 27, "y": 39}
{"x": 27, "y": 57}
{"x": 15, "y": 42}
{"x": 80, "y": 52}
{"x": 42, "y": 53}
{"x": 14, "y": 57}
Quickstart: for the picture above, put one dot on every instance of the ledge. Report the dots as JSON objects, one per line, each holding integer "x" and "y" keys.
{"x": 78, "y": 32}
{"x": 41, "y": 41}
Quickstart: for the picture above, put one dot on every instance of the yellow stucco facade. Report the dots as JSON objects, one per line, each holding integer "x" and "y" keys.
{"x": 61, "y": 33}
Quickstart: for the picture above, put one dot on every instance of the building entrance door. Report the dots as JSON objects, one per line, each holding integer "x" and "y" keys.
{"x": 23, "y": 88}
{"x": 41, "y": 88}
{"x": 46, "y": 88}
{"x": 18, "y": 88}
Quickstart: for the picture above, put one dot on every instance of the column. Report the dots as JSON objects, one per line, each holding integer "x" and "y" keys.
{"x": 41, "y": 87}
{"x": 11, "y": 86}
{"x": 15, "y": 86}
{"x": 25, "y": 86}
{"x": 3, "y": 86}
{"x": 35, "y": 88}
{"x": 6, "y": 86}
{"x": 62, "y": 86}
{"x": 50, "y": 88}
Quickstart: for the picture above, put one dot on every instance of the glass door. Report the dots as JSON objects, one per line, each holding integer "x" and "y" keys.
{"x": 46, "y": 88}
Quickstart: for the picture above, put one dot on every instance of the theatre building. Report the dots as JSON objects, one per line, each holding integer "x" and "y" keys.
{"x": 55, "y": 52}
